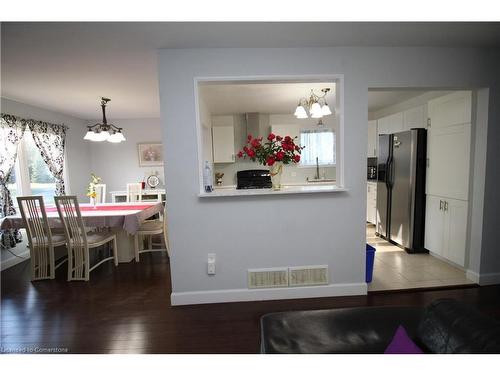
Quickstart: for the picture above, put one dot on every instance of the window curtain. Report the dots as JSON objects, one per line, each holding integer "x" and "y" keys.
{"x": 11, "y": 133}
{"x": 50, "y": 140}
{"x": 319, "y": 143}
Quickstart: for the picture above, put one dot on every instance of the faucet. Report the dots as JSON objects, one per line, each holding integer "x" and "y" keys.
{"x": 316, "y": 177}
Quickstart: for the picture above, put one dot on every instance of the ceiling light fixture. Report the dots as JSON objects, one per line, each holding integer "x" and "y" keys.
{"x": 104, "y": 131}
{"x": 316, "y": 105}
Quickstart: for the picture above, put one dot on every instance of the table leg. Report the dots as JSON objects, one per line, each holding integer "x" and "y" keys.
{"x": 125, "y": 245}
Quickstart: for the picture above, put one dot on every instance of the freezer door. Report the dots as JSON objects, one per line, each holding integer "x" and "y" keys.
{"x": 402, "y": 188}
{"x": 383, "y": 190}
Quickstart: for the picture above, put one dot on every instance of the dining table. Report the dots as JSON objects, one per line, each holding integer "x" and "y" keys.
{"x": 124, "y": 219}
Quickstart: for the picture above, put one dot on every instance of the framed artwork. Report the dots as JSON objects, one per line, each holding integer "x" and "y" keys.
{"x": 150, "y": 154}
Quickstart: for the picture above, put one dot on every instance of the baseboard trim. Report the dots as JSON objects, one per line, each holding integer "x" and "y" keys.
{"x": 489, "y": 278}
{"x": 15, "y": 260}
{"x": 472, "y": 276}
{"x": 243, "y": 295}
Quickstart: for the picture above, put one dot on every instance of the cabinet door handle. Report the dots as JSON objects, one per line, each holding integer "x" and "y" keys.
{"x": 446, "y": 206}
{"x": 440, "y": 205}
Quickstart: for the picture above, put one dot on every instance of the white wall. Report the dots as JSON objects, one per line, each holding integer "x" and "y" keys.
{"x": 255, "y": 232}
{"x": 77, "y": 156}
{"x": 117, "y": 163}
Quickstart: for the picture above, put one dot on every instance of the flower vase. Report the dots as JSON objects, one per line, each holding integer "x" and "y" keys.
{"x": 275, "y": 171}
{"x": 93, "y": 202}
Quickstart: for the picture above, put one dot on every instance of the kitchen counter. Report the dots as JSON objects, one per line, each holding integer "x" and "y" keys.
{"x": 309, "y": 188}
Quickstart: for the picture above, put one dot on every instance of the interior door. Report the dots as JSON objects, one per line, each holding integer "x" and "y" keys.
{"x": 401, "y": 189}
{"x": 434, "y": 224}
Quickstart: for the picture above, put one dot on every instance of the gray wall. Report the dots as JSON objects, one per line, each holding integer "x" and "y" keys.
{"x": 255, "y": 232}
{"x": 117, "y": 163}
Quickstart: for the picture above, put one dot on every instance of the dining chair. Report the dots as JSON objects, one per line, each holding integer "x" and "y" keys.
{"x": 41, "y": 240}
{"x": 147, "y": 230}
{"x": 134, "y": 192}
{"x": 79, "y": 242}
{"x": 100, "y": 190}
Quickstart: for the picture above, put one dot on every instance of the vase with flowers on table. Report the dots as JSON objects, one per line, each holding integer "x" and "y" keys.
{"x": 275, "y": 153}
{"x": 92, "y": 191}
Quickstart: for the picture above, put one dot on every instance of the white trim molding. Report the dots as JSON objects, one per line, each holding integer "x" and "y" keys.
{"x": 483, "y": 278}
{"x": 244, "y": 295}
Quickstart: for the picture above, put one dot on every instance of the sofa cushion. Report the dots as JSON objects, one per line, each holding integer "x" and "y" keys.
{"x": 350, "y": 330}
{"x": 449, "y": 326}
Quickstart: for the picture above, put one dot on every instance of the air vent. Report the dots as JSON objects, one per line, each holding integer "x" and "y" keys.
{"x": 268, "y": 278}
{"x": 308, "y": 275}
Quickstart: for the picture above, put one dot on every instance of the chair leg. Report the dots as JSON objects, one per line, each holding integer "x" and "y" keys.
{"x": 150, "y": 242}
{"x": 87, "y": 264}
{"x": 70, "y": 262}
{"x": 52, "y": 262}
{"x": 136, "y": 247}
{"x": 115, "y": 251}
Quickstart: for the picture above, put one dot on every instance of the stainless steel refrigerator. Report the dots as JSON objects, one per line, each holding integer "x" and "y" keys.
{"x": 401, "y": 188}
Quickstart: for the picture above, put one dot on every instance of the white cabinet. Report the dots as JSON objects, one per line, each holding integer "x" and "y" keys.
{"x": 371, "y": 202}
{"x": 372, "y": 139}
{"x": 414, "y": 118}
{"x": 446, "y": 228}
{"x": 448, "y": 152}
{"x": 223, "y": 144}
{"x": 451, "y": 109}
{"x": 391, "y": 124}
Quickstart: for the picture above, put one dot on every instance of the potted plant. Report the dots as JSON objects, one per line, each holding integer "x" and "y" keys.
{"x": 274, "y": 153}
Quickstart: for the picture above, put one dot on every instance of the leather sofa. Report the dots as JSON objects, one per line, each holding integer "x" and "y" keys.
{"x": 444, "y": 326}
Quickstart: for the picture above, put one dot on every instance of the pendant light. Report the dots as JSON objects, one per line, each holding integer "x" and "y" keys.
{"x": 101, "y": 132}
{"x": 316, "y": 104}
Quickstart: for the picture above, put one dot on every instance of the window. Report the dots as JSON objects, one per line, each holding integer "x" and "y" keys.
{"x": 31, "y": 175}
{"x": 319, "y": 144}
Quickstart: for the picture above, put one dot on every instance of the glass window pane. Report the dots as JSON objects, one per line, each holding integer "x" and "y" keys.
{"x": 42, "y": 182}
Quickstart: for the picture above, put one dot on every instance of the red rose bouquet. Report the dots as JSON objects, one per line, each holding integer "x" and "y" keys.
{"x": 276, "y": 149}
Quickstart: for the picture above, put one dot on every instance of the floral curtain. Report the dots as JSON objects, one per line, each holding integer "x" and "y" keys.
{"x": 50, "y": 140}
{"x": 11, "y": 132}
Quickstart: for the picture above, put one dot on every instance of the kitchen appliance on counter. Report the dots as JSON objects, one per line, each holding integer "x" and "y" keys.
{"x": 401, "y": 188}
{"x": 253, "y": 179}
{"x": 371, "y": 169}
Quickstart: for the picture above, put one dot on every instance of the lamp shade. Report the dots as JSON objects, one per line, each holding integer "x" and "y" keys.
{"x": 325, "y": 110}
{"x": 101, "y": 136}
{"x": 114, "y": 138}
{"x": 89, "y": 136}
{"x": 316, "y": 111}
{"x": 300, "y": 112}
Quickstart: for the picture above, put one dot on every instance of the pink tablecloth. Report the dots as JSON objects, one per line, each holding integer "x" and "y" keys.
{"x": 115, "y": 215}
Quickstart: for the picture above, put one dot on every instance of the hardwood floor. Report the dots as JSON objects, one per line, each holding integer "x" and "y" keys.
{"x": 127, "y": 310}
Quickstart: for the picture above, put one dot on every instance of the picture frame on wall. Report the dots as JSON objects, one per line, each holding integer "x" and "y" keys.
{"x": 150, "y": 154}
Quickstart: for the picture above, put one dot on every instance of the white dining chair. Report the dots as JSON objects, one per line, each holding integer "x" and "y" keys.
{"x": 147, "y": 230}
{"x": 134, "y": 192}
{"x": 79, "y": 242}
{"x": 100, "y": 190}
{"x": 41, "y": 240}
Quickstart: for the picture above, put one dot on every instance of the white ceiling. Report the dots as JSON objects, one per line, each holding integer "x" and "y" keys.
{"x": 67, "y": 67}
{"x": 279, "y": 98}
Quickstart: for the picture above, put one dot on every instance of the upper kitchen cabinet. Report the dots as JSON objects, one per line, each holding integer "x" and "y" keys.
{"x": 372, "y": 139}
{"x": 391, "y": 124}
{"x": 450, "y": 110}
{"x": 223, "y": 139}
{"x": 449, "y": 145}
{"x": 414, "y": 118}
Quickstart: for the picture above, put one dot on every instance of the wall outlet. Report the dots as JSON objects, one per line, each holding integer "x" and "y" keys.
{"x": 211, "y": 264}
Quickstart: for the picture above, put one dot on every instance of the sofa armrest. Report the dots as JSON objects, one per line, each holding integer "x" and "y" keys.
{"x": 348, "y": 330}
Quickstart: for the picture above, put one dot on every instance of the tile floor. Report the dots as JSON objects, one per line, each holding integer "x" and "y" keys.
{"x": 396, "y": 269}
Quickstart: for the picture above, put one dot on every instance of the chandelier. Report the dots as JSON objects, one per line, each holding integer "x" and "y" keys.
{"x": 315, "y": 104}
{"x": 104, "y": 131}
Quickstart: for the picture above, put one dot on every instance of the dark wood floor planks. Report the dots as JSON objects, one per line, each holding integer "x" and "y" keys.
{"x": 127, "y": 310}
